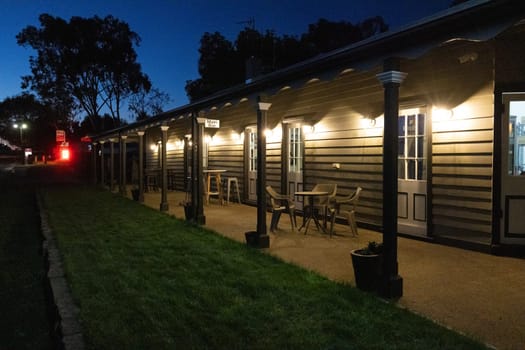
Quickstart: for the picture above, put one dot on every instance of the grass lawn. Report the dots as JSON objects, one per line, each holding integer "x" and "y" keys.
{"x": 23, "y": 313}
{"x": 145, "y": 280}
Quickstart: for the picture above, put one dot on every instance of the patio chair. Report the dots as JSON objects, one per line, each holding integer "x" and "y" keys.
{"x": 321, "y": 203}
{"x": 335, "y": 209}
{"x": 280, "y": 203}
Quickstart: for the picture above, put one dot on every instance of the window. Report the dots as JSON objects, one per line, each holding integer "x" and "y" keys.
{"x": 253, "y": 151}
{"x": 295, "y": 160}
{"x": 412, "y": 147}
{"x": 516, "y": 163}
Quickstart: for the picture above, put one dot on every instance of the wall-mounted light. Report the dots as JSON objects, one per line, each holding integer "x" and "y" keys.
{"x": 153, "y": 147}
{"x": 268, "y": 133}
{"x": 308, "y": 129}
{"x": 439, "y": 113}
{"x": 368, "y": 122}
{"x": 237, "y": 137}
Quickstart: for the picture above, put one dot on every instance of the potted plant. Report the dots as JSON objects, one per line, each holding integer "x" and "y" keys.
{"x": 135, "y": 194}
{"x": 368, "y": 266}
{"x": 188, "y": 209}
{"x": 256, "y": 240}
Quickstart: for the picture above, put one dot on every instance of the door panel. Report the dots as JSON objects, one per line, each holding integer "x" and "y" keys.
{"x": 412, "y": 172}
{"x": 512, "y": 225}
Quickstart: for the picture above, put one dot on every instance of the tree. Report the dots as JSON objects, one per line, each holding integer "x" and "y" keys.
{"x": 146, "y": 104}
{"x": 42, "y": 120}
{"x": 84, "y": 64}
{"x": 217, "y": 64}
{"x": 222, "y": 64}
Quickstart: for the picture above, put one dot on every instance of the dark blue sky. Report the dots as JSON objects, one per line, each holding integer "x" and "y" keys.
{"x": 171, "y": 29}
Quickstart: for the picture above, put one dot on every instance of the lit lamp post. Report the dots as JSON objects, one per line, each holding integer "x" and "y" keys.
{"x": 20, "y": 127}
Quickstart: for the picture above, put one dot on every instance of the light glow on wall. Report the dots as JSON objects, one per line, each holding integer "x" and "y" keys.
{"x": 441, "y": 114}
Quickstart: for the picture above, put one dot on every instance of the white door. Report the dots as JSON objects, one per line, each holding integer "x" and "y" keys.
{"x": 512, "y": 224}
{"x": 251, "y": 156}
{"x": 412, "y": 173}
{"x": 295, "y": 154}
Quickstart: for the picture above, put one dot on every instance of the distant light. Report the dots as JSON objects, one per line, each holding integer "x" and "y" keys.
{"x": 64, "y": 154}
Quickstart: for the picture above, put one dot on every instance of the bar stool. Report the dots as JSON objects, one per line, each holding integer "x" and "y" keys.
{"x": 229, "y": 182}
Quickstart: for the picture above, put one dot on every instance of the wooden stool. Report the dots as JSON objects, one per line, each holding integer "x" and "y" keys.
{"x": 218, "y": 187}
{"x": 229, "y": 181}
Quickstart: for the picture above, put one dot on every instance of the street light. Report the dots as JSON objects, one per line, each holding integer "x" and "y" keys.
{"x": 20, "y": 127}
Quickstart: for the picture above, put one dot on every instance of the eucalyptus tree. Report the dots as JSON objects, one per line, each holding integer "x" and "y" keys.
{"x": 146, "y": 104}
{"x": 84, "y": 64}
{"x": 223, "y": 64}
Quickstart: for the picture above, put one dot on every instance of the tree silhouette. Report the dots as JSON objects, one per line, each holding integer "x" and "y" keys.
{"x": 84, "y": 64}
{"x": 223, "y": 64}
{"x": 42, "y": 121}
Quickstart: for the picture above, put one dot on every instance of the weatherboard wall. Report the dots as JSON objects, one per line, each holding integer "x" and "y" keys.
{"x": 341, "y": 108}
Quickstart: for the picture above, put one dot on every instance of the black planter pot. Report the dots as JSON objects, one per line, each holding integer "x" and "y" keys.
{"x": 188, "y": 212}
{"x": 368, "y": 270}
{"x": 255, "y": 240}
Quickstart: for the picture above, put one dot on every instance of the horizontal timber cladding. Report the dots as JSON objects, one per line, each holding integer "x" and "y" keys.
{"x": 273, "y": 164}
{"x": 341, "y": 135}
{"x": 226, "y": 149}
{"x": 462, "y": 153}
{"x": 461, "y": 141}
{"x": 357, "y": 150}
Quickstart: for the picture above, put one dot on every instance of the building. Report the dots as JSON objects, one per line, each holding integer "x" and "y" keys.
{"x": 429, "y": 120}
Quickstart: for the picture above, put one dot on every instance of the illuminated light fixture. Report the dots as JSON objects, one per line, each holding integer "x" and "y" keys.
{"x": 153, "y": 147}
{"x": 442, "y": 113}
{"x": 207, "y": 139}
{"x": 268, "y": 133}
{"x": 369, "y": 121}
{"x": 308, "y": 129}
{"x": 236, "y": 136}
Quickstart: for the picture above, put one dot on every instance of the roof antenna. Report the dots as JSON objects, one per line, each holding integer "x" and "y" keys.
{"x": 250, "y": 23}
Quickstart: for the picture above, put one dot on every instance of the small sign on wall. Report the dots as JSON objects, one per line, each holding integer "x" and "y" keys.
{"x": 212, "y": 123}
{"x": 60, "y": 136}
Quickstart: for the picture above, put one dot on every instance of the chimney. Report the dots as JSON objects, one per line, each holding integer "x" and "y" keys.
{"x": 253, "y": 69}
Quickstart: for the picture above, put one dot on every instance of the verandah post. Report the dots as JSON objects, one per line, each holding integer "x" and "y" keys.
{"x": 391, "y": 78}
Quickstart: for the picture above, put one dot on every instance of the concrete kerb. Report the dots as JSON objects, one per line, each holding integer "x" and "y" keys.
{"x": 67, "y": 327}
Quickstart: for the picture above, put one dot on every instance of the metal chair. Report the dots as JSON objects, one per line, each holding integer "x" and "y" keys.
{"x": 280, "y": 203}
{"x": 335, "y": 209}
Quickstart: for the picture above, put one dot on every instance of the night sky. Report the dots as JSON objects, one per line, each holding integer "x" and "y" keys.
{"x": 171, "y": 29}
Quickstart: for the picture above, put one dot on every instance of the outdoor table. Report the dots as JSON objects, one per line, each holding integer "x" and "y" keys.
{"x": 311, "y": 215}
{"x": 217, "y": 174}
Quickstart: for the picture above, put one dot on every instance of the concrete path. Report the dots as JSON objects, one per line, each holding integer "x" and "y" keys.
{"x": 477, "y": 294}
